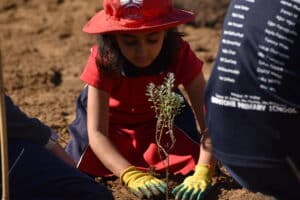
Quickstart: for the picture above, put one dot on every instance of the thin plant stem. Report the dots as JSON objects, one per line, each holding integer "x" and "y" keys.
{"x": 167, "y": 105}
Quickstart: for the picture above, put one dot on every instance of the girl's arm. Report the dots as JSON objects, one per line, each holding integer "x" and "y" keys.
{"x": 97, "y": 123}
{"x": 196, "y": 185}
{"x": 195, "y": 95}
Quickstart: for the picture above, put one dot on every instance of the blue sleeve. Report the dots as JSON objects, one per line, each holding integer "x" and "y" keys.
{"x": 20, "y": 126}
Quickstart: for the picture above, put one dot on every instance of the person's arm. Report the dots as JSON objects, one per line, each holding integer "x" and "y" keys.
{"x": 22, "y": 127}
{"x": 140, "y": 183}
{"x": 97, "y": 123}
{"x": 195, "y": 91}
{"x": 54, "y": 147}
{"x": 198, "y": 184}
{"x": 59, "y": 152}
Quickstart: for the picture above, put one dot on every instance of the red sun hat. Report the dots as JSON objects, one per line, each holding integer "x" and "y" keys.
{"x": 136, "y": 16}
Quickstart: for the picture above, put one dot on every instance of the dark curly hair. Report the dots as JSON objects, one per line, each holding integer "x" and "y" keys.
{"x": 112, "y": 63}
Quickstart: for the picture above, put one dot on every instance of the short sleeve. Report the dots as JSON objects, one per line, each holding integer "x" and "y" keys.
{"x": 188, "y": 65}
{"x": 91, "y": 74}
{"x": 22, "y": 127}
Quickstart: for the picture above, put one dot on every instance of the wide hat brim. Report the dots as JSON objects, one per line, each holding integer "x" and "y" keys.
{"x": 100, "y": 23}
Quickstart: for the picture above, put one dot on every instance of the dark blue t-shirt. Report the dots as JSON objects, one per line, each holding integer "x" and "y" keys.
{"x": 22, "y": 127}
{"x": 253, "y": 94}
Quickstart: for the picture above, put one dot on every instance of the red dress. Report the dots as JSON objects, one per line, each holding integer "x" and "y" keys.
{"x": 132, "y": 120}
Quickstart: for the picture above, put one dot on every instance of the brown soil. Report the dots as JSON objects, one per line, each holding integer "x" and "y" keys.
{"x": 44, "y": 51}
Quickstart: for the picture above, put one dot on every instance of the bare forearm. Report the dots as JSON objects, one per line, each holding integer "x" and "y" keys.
{"x": 206, "y": 156}
{"x": 108, "y": 154}
{"x": 196, "y": 97}
{"x": 58, "y": 151}
{"x": 98, "y": 131}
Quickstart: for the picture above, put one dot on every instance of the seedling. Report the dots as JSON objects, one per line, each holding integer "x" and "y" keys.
{"x": 167, "y": 104}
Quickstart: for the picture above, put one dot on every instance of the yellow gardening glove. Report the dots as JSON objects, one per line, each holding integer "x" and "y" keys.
{"x": 142, "y": 184}
{"x": 196, "y": 186}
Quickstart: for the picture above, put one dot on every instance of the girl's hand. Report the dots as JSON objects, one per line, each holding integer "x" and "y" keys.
{"x": 142, "y": 184}
{"x": 196, "y": 186}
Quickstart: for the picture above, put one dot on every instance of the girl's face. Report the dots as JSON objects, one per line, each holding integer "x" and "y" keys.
{"x": 141, "y": 49}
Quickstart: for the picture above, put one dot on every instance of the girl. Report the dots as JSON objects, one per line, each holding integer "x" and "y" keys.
{"x": 137, "y": 44}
